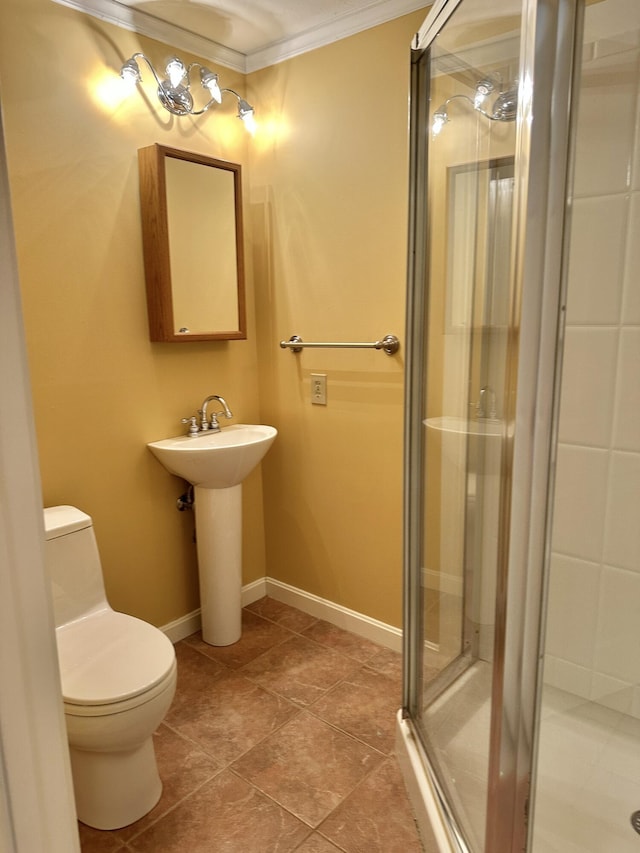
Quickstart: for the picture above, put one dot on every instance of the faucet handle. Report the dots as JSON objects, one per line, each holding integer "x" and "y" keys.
{"x": 202, "y": 417}
{"x": 193, "y": 424}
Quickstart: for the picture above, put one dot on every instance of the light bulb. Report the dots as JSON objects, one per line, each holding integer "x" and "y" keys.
{"x": 175, "y": 72}
{"x": 247, "y": 114}
{"x": 130, "y": 75}
{"x": 483, "y": 88}
{"x": 440, "y": 118}
{"x": 210, "y": 82}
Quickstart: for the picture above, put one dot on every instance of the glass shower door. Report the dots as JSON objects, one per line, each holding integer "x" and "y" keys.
{"x": 588, "y": 770}
{"x": 485, "y": 277}
{"x": 469, "y": 344}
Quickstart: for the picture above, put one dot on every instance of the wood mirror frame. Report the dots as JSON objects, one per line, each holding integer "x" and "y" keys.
{"x": 156, "y": 215}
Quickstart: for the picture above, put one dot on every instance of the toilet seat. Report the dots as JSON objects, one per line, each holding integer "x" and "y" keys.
{"x": 74, "y": 709}
{"x": 109, "y": 659}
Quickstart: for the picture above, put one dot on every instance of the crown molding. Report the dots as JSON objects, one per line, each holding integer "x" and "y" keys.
{"x": 148, "y": 25}
{"x": 346, "y": 25}
{"x": 135, "y": 20}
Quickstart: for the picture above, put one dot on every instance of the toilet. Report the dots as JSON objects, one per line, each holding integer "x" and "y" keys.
{"x": 118, "y": 677}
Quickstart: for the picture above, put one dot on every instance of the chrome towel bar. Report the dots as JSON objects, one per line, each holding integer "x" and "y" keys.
{"x": 390, "y": 344}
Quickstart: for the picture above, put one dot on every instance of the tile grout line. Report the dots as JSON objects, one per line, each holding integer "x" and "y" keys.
{"x": 171, "y": 808}
{"x": 358, "y": 665}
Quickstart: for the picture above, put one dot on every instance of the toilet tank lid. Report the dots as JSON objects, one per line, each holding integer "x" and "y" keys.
{"x": 60, "y": 520}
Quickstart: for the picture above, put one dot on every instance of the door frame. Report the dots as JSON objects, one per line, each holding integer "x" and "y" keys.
{"x": 37, "y": 810}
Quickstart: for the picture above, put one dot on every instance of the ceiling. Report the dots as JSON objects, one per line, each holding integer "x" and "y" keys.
{"x": 246, "y": 34}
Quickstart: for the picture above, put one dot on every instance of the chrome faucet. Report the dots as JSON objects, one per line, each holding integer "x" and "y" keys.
{"x": 486, "y": 406}
{"x": 207, "y": 423}
{"x": 213, "y": 425}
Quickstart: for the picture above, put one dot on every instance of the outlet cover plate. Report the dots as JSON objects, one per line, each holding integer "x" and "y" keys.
{"x": 319, "y": 389}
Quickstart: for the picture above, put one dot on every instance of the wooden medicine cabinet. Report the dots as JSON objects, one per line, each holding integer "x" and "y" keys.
{"x": 191, "y": 208}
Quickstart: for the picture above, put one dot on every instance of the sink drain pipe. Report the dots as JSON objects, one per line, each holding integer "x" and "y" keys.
{"x": 186, "y": 501}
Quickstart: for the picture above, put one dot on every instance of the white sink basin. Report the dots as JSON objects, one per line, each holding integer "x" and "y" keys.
{"x": 215, "y": 460}
{"x": 449, "y": 423}
{"x": 471, "y": 445}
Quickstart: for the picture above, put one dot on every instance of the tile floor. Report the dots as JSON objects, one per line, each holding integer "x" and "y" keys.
{"x": 588, "y": 774}
{"x": 588, "y": 779}
{"x": 282, "y": 742}
{"x": 458, "y": 725}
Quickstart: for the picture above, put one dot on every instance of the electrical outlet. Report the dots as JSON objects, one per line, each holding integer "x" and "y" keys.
{"x": 319, "y": 389}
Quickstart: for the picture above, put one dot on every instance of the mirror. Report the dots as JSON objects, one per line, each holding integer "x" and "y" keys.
{"x": 191, "y": 208}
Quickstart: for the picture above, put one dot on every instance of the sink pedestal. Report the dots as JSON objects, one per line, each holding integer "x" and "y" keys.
{"x": 216, "y": 463}
{"x": 219, "y": 546}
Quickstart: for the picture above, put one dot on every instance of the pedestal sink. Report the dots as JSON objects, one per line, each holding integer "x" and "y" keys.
{"x": 467, "y": 441}
{"x": 466, "y": 426}
{"x": 216, "y": 463}
{"x": 470, "y": 489}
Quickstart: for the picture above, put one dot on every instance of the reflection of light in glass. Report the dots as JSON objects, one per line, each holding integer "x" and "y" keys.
{"x": 504, "y": 106}
{"x": 440, "y": 118}
{"x": 483, "y": 88}
{"x": 525, "y": 96}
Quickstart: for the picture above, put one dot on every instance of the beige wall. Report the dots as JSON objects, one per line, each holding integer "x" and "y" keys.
{"x": 329, "y": 182}
{"x": 326, "y": 202}
{"x": 101, "y": 389}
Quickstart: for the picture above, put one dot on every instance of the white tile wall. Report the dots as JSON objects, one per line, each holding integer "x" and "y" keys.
{"x": 581, "y": 499}
{"x": 617, "y": 643}
{"x": 631, "y": 301}
{"x": 586, "y": 413}
{"x": 606, "y": 124}
{"x": 596, "y": 264}
{"x": 593, "y": 627}
{"x": 622, "y": 528}
{"x": 573, "y": 609}
{"x": 626, "y": 434}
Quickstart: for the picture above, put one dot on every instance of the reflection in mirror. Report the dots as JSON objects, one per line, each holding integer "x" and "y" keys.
{"x": 192, "y": 233}
{"x": 479, "y": 202}
{"x": 196, "y": 235}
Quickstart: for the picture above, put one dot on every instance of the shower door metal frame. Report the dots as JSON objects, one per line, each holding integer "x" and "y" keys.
{"x": 548, "y": 48}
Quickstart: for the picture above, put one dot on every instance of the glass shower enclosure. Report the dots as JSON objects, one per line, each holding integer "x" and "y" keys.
{"x": 492, "y": 87}
{"x": 520, "y": 727}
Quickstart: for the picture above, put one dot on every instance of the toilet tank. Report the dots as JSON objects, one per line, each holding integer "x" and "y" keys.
{"x": 73, "y": 564}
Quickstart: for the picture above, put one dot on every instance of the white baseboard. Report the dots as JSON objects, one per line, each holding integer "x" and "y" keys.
{"x": 254, "y": 591}
{"x": 336, "y": 614}
{"x": 442, "y": 582}
{"x": 183, "y": 627}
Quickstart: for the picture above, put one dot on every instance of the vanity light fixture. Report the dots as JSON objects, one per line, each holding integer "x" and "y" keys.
{"x": 174, "y": 91}
{"x": 504, "y": 107}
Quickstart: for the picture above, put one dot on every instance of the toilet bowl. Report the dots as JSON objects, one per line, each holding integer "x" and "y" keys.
{"x": 118, "y": 677}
